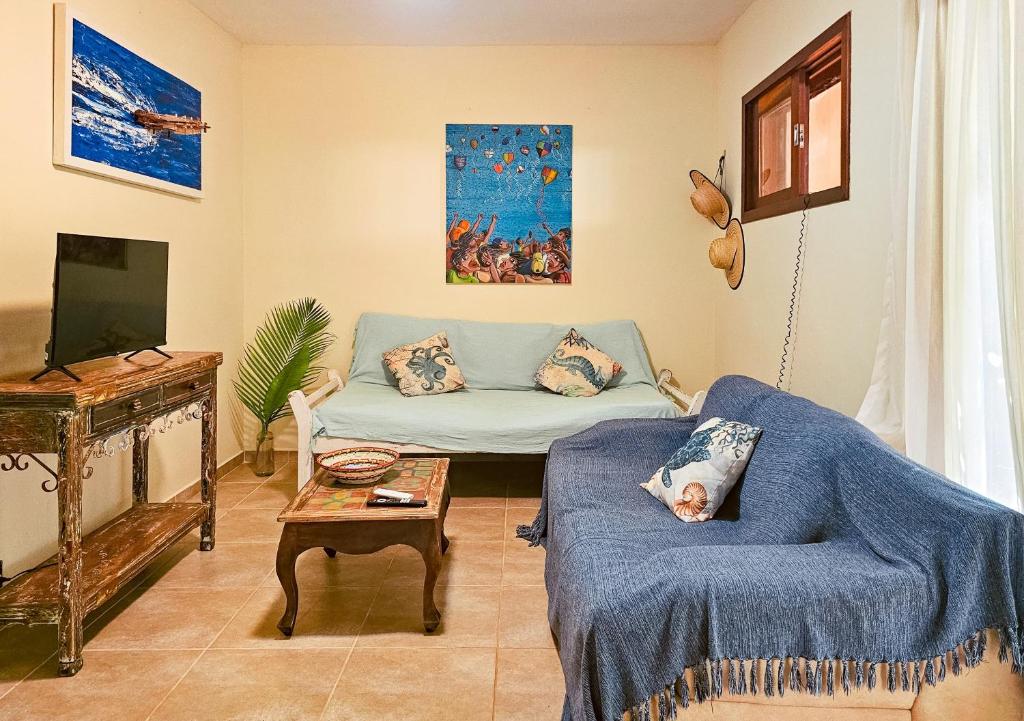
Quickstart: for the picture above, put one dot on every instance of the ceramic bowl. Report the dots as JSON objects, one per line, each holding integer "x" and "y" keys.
{"x": 357, "y": 465}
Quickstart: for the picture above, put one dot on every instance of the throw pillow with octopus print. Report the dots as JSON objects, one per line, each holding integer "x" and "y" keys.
{"x": 425, "y": 368}
{"x": 577, "y": 367}
{"x": 694, "y": 482}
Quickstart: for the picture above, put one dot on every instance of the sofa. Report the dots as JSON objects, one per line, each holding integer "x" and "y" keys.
{"x": 839, "y": 580}
{"x": 502, "y": 410}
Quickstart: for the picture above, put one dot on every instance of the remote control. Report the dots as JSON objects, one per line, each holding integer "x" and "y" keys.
{"x": 381, "y": 501}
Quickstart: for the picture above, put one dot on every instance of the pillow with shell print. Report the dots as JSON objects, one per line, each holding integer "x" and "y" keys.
{"x": 697, "y": 478}
{"x": 577, "y": 367}
{"x": 425, "y": 368}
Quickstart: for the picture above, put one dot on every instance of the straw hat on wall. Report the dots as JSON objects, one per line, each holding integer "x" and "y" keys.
{"x": 708, "y": 200}
{"x": 728, "y": 253}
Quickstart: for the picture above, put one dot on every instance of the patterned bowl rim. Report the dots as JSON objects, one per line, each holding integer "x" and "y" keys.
{"x": 324, "y": 458}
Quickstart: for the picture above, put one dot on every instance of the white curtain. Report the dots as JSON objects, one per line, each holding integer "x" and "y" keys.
{"x": 946, "y": 387}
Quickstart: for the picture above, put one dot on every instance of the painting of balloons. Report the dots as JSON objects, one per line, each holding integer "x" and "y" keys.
{"x": 503, "y": 226}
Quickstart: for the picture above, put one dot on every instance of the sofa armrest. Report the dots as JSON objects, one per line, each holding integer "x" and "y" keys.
{"x": 691, "y": 405}
{"x": 302, "y": 409}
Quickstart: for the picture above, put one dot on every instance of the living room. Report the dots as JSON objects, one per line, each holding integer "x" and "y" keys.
{"x": 304, "y": 163}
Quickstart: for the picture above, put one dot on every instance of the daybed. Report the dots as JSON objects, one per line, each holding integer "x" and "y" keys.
{"x": 839, "y": 581}
{"x": 501, "y": 410}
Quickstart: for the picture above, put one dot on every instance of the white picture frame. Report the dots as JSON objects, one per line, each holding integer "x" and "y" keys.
{"x": 63, "y": 155}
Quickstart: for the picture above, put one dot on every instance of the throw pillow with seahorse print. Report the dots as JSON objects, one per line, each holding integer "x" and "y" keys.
{"x": 695, "y": 481}
{"x": 425, "y": 368}
{"x": 577, "y": 367}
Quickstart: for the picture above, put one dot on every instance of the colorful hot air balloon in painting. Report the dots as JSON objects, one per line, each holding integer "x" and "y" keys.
{"x": 492, "y": 171}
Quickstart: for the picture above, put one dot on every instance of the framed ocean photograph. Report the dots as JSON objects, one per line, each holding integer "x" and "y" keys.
{"x": 508, "y": 200}
{"x": 118, "y": 115}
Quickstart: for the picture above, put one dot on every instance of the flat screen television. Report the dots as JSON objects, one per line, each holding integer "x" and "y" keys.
{"x": 109, "y": 297}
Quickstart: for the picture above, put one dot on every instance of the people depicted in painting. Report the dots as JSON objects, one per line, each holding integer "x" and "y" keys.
{"x": 481, "y": 257}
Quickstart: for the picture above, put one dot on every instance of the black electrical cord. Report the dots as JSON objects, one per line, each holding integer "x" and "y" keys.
{"x": 4, "y": 580}
{"x": 791, "y": 319}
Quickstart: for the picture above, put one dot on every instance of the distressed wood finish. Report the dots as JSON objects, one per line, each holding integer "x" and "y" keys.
{"x": 140, "y": 468}
{"x": 208, "y": 469}
{"x": 58, "y": 415}
{"x": 364, "y": 530}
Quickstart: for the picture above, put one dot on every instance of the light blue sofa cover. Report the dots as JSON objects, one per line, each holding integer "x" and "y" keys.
{"x": 502, "y": 409}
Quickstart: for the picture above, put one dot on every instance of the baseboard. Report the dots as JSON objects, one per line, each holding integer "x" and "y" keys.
{"x": 279, "y": 456}
{"x": 223, "y": 469}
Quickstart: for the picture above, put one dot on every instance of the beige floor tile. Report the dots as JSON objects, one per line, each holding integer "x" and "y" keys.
{"x": 474, "y": 524}
{"x": 242, "y": 474}
{"x": 256, "y": 684}
{"x": 273, "y": 495}
{"x": 524, "y": 618}
{"x": 249, "y": 525}
{"x": 328, "y": 618}
{"x": 167, "y": 618}
{"x": 469, "y": 618}
{"x": 229, "y": 494}
{"x": 467, "y": 563}
{"x": 516, "y": 517}
{"x": 314, "y": 569}
{"x": 237, "y": 565}
{"x": 419, "y": 685}
{"x": 523, "y": 566}
{"x": 22, "y": 650}
{"x": 108, "y": 687}
{"x": 530, "y": 685}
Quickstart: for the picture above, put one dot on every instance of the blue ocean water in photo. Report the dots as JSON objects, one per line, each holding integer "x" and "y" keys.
{"x": 516, "y": 193}
{"x": 109, "y": 83}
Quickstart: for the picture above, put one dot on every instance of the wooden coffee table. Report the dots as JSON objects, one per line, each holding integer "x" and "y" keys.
{"x": 336, "y": 518}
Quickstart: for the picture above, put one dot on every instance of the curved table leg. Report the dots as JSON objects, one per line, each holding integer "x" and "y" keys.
{"x": 444, "y": 542}
{"x": 287, "y": 552}
{"x": 432, "y": 561}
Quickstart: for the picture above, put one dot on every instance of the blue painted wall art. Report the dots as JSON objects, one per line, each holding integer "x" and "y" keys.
{"x": 129, "y": 115}
{"x": 509, "y": 204}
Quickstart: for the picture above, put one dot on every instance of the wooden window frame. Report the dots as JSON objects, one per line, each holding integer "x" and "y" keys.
{"x": 796, "y": 70}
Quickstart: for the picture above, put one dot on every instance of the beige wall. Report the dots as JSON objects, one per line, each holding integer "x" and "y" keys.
{"x": 38, "y": 200}
{"x": 847, "y": 243}
{"x": 344, "y": 173}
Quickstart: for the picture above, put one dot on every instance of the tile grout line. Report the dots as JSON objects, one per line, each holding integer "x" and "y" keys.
{"x": 205, "y": 650}
{"x": 352, "y": 649}
{"x": 497, "y": 626}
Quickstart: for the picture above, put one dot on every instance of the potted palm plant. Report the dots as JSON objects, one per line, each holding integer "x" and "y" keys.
{"x": 281, "y": 359}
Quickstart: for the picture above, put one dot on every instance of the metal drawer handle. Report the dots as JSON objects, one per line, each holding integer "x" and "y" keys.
{"x": 137, "y": 404}
{"x": 193, "y": 386}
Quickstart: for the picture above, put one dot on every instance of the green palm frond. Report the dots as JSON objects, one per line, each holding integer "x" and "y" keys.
{"x": 281, "y": 358}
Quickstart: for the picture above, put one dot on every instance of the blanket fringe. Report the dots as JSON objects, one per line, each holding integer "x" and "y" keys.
{"x": 712, "y": 675}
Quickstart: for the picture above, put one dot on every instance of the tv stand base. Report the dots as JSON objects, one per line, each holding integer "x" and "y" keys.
{"x": 60, "y": 369}
{"x": 143, "y": 350}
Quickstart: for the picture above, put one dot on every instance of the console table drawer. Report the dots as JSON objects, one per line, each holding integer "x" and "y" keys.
{"x": 110, "y": 415}
{"x": 182, "y": 389}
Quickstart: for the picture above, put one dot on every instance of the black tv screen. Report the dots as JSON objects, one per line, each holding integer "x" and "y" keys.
{"x": 109, "y": 297}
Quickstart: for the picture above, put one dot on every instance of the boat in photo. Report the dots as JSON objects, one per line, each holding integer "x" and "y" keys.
{"x": 158, "y": 123}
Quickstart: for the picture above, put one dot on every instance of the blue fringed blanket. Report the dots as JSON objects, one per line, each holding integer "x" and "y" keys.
{"x": 833, "y": 550}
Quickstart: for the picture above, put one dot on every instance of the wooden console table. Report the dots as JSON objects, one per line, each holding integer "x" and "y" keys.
{"x": 118, "y": 405}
